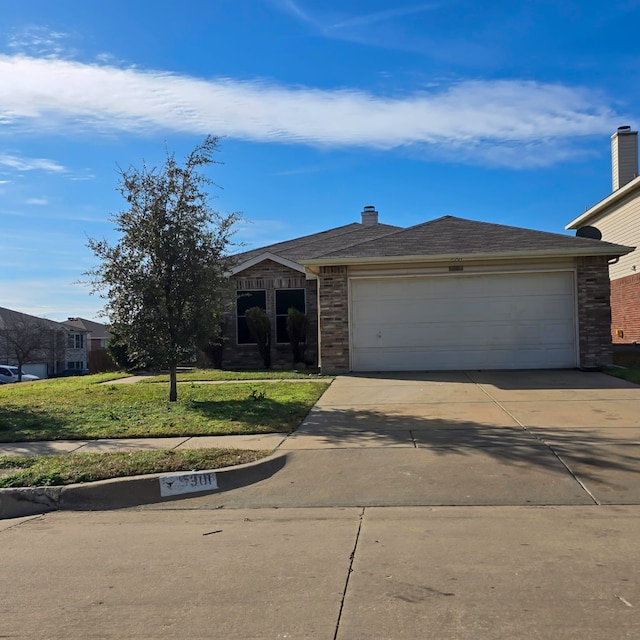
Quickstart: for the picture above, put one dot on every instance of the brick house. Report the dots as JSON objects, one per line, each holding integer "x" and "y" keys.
{"x": 60, "y": 346}
{"x": 617, "y": 218}
{"x": 442, "y": 295}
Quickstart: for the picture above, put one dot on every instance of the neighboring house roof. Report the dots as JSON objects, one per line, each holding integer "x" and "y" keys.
{"x": 451, "y": 236}
{"x": 628, "y": 190}
{"x": 8, "y": 315}
{"x": 96, "y": 329}
{"x": 315, "y": 244}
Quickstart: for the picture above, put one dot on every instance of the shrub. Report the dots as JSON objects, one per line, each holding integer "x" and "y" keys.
{"x": 260, "y": 328}
{"x": 297, "y": 323}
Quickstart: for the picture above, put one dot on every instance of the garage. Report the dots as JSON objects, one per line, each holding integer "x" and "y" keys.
{"x": 480, "y": 321}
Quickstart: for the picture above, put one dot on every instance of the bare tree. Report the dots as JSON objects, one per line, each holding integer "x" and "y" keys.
{"x": 24, "y": 338}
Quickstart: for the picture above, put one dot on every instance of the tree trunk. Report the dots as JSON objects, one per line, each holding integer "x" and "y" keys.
{"x": 173, "y": 385}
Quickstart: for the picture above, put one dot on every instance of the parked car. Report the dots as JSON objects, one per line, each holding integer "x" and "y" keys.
{"x": 9, "y": 374}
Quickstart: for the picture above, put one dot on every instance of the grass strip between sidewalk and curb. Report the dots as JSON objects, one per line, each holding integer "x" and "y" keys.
{"x": 85, "y": 408}
{"x": 57, "y": 470}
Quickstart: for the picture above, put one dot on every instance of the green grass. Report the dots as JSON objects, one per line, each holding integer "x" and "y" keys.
{"x": 217, "y": 375}
{"x": 629, "y": 374}
{"x": 81, "y": 408}
{"x": 51, "y": 470}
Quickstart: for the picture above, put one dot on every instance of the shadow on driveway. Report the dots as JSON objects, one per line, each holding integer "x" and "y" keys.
{"x": 588, "y": 453}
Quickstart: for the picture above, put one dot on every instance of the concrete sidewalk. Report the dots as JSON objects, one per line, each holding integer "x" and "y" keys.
{"x": 268, "y": 441}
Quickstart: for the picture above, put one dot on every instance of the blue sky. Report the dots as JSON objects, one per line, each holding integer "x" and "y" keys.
{"x": 498, "y": 111}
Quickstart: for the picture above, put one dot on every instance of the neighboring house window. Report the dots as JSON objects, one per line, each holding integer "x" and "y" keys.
{"x": 245, "y": 300}
{"x": 75, "y": 365}
{"x": 76, "y": 341}
{"x": 285, "y": 299}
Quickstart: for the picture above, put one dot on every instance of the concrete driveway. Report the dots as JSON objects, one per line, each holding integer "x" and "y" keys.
{"x": 460, "y": 438}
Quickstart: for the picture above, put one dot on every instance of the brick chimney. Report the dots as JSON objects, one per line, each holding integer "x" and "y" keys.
{"x": 624, "y": 156}
{"x": 369, "y": 216}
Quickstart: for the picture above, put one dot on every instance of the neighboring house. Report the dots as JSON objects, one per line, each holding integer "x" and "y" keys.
{"x": 97, "y": 333}
{"x": 443, "y": 295}
{"x": 60, "y": 346}
{"x": 617, "y": 217}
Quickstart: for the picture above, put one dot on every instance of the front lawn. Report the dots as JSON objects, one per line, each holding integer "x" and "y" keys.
{"x": 82, "y": 408}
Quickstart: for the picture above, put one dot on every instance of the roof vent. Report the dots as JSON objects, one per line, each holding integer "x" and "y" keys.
{"x": 369, "y": 216}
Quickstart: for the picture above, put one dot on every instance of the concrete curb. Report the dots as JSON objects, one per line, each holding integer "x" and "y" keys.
{"x": 133, "y": 491}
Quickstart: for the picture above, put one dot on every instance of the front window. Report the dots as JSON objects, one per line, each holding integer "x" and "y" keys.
{"x": 244, "y": 301}
{"x": 285, "y": 300}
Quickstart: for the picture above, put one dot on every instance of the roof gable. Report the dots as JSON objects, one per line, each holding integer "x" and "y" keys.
{"x": 606, "y": 205}
{"x": 294, "y": 251}
{"x": 261, "y": 257}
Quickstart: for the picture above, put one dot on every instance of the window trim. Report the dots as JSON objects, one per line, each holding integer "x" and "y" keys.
{"x": 238, "y": 291}
{"x": 275, "y": 308}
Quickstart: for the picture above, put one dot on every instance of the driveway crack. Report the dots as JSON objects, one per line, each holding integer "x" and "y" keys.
{"x": 538, "y": 438}
{"x": 346, "y": 584}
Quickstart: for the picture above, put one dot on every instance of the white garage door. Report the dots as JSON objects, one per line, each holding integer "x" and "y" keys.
{"x": 512, "y": 321}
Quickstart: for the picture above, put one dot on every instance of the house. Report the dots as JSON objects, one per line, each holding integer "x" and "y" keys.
{"x": 442, "y": 295}
{"x": 49, "y": 347}
{"x": 617, "y": 218}
{"x": 97, "y": 333}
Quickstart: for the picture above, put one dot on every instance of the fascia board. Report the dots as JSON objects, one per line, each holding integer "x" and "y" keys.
{"x": 599, "y": 207}
{"x": 466, "y": 257}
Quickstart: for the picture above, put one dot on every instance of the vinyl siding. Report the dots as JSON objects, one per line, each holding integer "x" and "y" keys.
{"x": 622, "y": 226}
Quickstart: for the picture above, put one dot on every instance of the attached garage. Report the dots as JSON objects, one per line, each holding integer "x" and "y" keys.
{"x": 445, "y": 294}
{"x": 488, "y": 321}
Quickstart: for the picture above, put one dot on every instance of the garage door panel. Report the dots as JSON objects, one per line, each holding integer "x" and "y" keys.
{"x": 434, "y": 360}
{"x": 480, "y": 336}
{"x": 483, "y": 322}
{"x": 482, "y": 309}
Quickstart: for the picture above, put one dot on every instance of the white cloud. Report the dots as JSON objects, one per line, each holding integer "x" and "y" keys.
{"x": 368, "y": 19}
{"x": 37, "y": 201}
{"x": 38, "y": 40}
{"x": 30, "y": 164}
{"x": 54, "y": 95}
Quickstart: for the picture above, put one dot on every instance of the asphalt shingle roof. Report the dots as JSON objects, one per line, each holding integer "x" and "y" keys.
{"x": 319, "y": 243}
{"x": 450, "y": 235}
{"x": 447, "y": 235}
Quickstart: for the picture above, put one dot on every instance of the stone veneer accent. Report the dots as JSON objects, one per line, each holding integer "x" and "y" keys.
{"x": 594, "y": 312}
{"x": 334, "y": 319}
{"x": 269, "y": 276}
{"x": 625, "y": 309}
